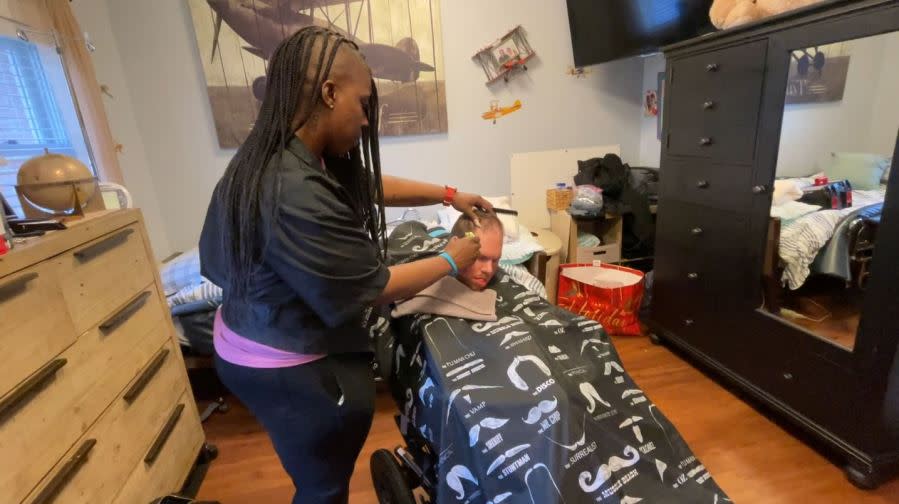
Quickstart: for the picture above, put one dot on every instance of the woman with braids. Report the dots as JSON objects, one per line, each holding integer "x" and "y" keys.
{"x": 295, "y": 235}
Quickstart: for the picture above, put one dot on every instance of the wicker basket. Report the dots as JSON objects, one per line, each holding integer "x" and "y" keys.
{"x": 559, "y": 199}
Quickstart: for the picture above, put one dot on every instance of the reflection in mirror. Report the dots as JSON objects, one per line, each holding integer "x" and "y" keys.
{"x": 840, "y": 122}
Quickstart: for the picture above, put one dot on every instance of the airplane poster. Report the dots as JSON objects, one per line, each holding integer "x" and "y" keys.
{"x": 401, "y": 41}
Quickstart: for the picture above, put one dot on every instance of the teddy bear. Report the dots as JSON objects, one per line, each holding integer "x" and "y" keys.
{"x": 730, "y": 13}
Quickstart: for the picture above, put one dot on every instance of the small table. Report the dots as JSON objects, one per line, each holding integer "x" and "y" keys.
{"x": 546, "y": 267}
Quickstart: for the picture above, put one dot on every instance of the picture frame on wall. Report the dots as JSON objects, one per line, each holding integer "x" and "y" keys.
{"x": 661, "y": 104}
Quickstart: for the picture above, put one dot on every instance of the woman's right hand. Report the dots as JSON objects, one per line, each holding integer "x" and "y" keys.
{"x": 464, "y": 251}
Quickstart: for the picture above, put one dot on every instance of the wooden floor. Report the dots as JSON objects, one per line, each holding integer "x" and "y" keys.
{"x": 752, "y": 458}
{"x": 827, "y": 298}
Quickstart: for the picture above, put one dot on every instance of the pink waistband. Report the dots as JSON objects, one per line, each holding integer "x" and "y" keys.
{"x": 241, "y": 351}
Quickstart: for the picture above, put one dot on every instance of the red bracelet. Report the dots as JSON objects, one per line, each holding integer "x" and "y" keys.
{"x": 449, "y": 195}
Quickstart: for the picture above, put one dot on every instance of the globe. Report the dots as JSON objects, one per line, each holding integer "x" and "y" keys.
{"x": 47, "y": 182}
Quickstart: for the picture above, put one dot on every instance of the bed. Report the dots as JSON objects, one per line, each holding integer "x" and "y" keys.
{"x": 805, "y": 240}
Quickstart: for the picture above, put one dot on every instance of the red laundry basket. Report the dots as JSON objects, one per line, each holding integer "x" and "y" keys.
{"x": 609, "y": 294}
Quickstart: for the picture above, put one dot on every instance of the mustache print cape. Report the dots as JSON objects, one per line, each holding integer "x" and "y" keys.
{"x": 532, "y": 408}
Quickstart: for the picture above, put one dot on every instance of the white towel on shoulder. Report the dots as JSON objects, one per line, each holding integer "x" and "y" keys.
{"x": 451, "y": 298}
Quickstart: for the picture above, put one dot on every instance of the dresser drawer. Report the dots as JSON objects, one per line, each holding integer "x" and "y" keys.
{"x": 79, "y": 385}
{"x": 712, "y": 184}
{"x": 707, "y": 234}
{"x": 34, "y": 323}
{"x": 714, "y": 100}
{"x": 99, "y": 463}
{"x": 165, "y": 466}
{"x": 97, "y": 276}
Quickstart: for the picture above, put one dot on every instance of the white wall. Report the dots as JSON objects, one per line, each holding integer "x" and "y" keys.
{"x": 163, "y": 80}
{"x": 140, "y": 176}
{"x": 650, "y": 146}
{"x": 885, "y": 104}
{"x": 865, "y": 120}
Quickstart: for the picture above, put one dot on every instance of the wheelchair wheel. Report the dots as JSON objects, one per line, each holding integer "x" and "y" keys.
{"x": 391, "y": 486}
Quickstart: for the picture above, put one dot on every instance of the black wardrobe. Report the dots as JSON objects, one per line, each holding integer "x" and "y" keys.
{"x": 722, "y": 116}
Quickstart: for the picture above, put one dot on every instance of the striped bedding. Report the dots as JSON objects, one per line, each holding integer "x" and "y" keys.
{"x": 803, "y": 238}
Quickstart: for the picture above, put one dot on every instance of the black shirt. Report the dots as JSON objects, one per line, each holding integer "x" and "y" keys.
{"x": 319, "y": 269}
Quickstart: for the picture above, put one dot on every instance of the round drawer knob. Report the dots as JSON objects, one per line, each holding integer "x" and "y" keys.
{"x": 709, "y": 105}
{"x": 788, "y": 376}
{"x": 702, "y": 184}
{"x": 688, "y": 322}
{"x": 711, "y": 67}
{"x": 759, "y": 189}
{"x": 692, "y": 275}
{"x": 696, "y": 231}
{"x": 705, "y": 141}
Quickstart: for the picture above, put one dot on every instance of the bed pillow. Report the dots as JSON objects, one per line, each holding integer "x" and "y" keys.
{"x": 510, "y": 222}
{"x": 793, "y": 210}
{"x": 520, "y": 250}
{"x": 886, "y": 172}
{"x": 863, "y": 171}
{"x": 786, "y": 190}
{"x": 182, "y": 271}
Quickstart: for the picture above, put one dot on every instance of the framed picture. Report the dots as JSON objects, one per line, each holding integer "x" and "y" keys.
{"x": 503, "y": 56}
{"x": 402, "y": 41}
{"x": 818, "y": 74}
{"x": 506, "y": 51}
{"x": 660, "y": 100}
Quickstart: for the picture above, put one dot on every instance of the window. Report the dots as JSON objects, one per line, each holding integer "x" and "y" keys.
{"x": 36, "y": 111}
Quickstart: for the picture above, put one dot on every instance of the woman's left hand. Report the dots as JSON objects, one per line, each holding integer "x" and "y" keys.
{"x": 467, "y": 203}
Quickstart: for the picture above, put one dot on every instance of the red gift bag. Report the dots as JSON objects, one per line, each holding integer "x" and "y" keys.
{"x": 609, "y": 294}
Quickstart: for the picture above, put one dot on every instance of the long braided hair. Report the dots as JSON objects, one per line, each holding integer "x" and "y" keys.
{"x": 297, "y": 70}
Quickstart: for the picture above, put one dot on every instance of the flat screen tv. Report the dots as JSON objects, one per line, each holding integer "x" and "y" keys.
{"x": 605, "y": 30}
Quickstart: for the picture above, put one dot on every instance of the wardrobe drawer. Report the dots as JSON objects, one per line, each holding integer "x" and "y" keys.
{"x": 96, "y": 276}
{"x": 810, "y": 385}
{"x": 99, "y": 464}
{"x": 63, "y": 399}
{"x": 714, "y": 100}
{"x": 34, "y": 323}
{"x": 700, "y": 231}
{"x": 717, "y": 185}
{"x": 164, "y": 467}
{"x": 685, "y": 313}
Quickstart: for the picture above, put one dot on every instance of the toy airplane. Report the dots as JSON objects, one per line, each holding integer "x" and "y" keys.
{"x": 496, "y": 111}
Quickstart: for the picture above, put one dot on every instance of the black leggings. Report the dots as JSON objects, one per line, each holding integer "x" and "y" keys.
{"x": 317, "y": 414}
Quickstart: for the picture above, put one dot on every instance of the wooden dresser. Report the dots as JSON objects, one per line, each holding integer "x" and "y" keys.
{"x": 95, "y": 406}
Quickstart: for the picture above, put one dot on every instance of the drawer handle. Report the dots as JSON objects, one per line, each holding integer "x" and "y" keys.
{"x": 16, "y": 286}
{"x": 759, "y": 189}
{"x": 711, "y": 67}
{"x": 696, "y": 231}
{"x": 692, "y": 275}
{"x": 146, "y": 376}
{"x": 164, "y": 434}
{"x": 709, "y": 105}
{"x": 702, "y": 184}
{"x": 23, "y": 391}
{"x": 96, "y": 249}
{"x": 688, "y": 322}
{"x": 48, "y": 494}
{"x": 125, "y": 313}
{"x": 705, "y": 141}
